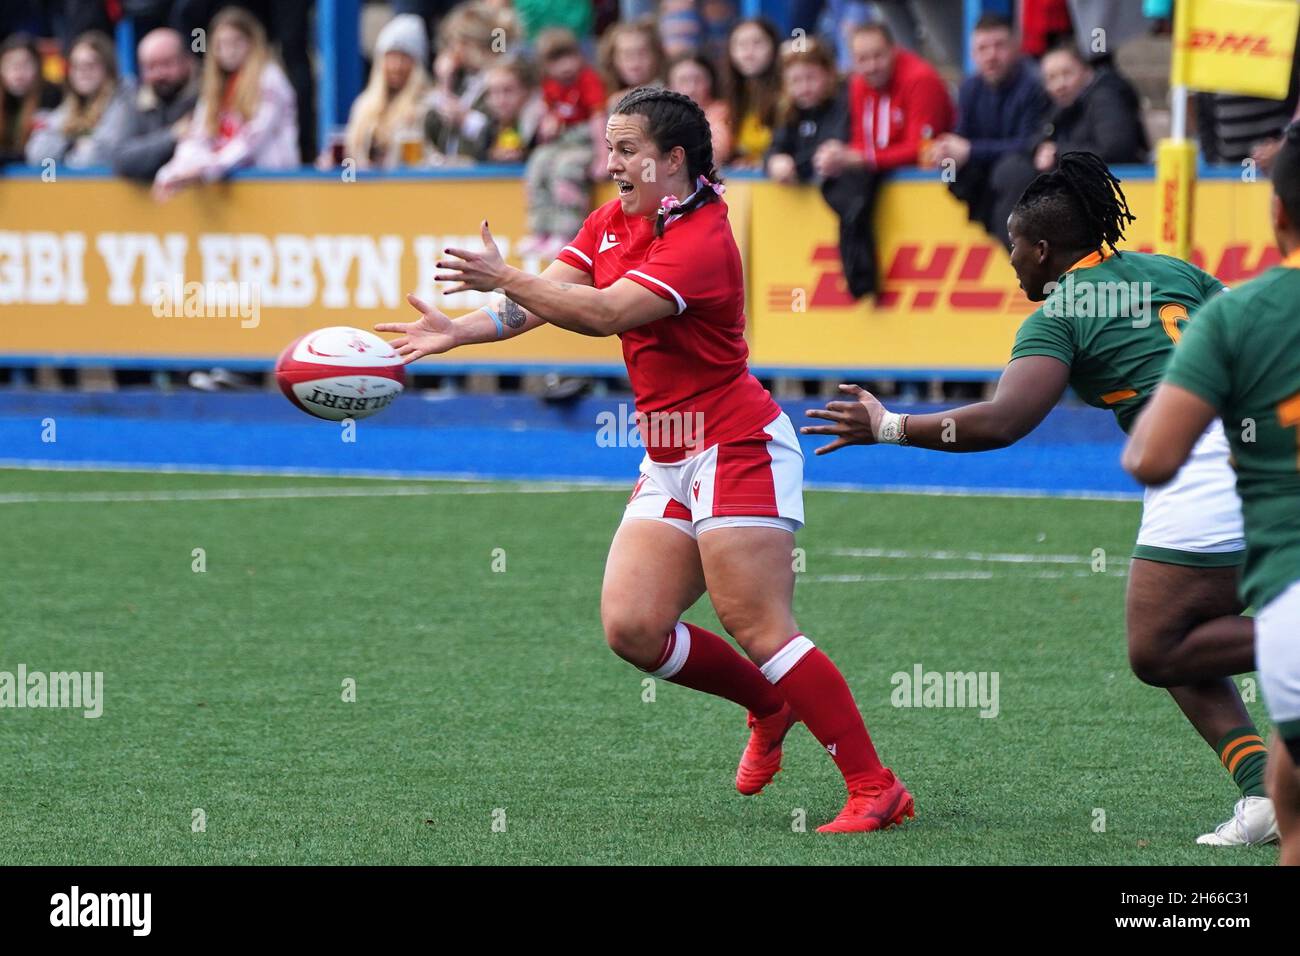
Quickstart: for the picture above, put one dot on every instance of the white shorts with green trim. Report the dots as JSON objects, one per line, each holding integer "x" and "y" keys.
{"x": 1195, "y": 519}
{"x": 1277, "y": 655}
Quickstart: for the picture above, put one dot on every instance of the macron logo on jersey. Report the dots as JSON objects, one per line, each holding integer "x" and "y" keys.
{"x": 607, "y": 241}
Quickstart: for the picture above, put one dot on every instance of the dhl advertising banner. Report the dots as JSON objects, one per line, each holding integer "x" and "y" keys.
{"x": 1235, "y": 46}
{"x": 950, "y": 298}
{"x": 93, "y": 269}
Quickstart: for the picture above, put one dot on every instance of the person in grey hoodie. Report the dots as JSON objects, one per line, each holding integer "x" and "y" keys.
{"x": 84, "y": 128}
{"x": 168, "y": 91}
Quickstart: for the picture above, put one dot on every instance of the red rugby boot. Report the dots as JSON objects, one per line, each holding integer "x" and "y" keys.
{"x": 878, "y": 806}
{"x": 761, "y": 760}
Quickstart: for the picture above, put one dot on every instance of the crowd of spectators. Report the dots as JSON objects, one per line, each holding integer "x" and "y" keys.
{"x": 840, "y": 102}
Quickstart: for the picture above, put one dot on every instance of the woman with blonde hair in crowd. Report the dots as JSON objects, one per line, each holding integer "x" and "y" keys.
{"x": 247, "y": 113}
{"x": 752, "y": 79}
{"x": 393, "y": 104}
{"x": 630, "y": 55}
{"x": 92, "y": 117}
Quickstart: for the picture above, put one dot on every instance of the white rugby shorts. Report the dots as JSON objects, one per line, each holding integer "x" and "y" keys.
{"x": 1277, "y": 655}
{"x": 1195, "y": 519}
{"x": 756, "y": 481}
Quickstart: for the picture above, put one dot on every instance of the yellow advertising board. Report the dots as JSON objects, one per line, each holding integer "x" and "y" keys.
{"x": 94, "y": 269}
{"x": 950, "y": 298}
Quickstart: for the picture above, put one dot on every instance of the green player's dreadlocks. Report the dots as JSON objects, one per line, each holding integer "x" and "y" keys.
{"x": 1078, "y": 205}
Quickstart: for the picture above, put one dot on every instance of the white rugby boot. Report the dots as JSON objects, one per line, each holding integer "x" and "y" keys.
{"x": 1252, "y": 824}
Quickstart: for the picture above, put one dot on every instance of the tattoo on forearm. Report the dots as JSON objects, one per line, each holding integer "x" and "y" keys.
{"x": 513, "y": 314}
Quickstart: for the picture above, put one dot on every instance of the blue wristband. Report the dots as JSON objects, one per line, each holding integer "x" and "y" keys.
{"x": 501, "y": 329}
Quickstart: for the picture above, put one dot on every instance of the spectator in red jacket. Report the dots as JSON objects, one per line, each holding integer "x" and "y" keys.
{"x": 897, "y": 104}
{"x": 1042, "y": 25}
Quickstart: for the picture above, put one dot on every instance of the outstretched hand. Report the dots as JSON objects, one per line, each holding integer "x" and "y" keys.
{"x": 475, "y": 271}
{"x": 430, "y": 334}
{"x": 854, "y": 423}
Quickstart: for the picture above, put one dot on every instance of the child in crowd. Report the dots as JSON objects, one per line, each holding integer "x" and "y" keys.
{"x": 753, "y": 84}
{"x": 694, "y": 75}
{"x": 471, "y": 38}
{"x": 572, "y": 135}
{"x": 631, "y": 55}
{"x": 514, "y": 108}
{"x": 812, "y": 110}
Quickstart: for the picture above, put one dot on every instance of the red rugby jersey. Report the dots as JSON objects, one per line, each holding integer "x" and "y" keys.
{"x": 689, "y": 371}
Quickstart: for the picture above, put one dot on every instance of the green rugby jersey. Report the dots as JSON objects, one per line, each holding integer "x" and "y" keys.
{"x": 1115, "y": 319}
{"x": 1242, "y": 355}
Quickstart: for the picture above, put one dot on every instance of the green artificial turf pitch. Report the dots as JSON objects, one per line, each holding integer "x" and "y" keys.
{"x": 486, "y": 698}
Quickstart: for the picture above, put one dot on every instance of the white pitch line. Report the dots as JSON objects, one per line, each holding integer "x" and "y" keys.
{"x": 999, "y": 557}
{"x": 927, "y": 576}
{"x": 578, "y": 484}
{"x": 369, "y": 474}
{"x": 964, "y": 491}
{"x": 253, "y": 494}
{"x": 951, "y": 576}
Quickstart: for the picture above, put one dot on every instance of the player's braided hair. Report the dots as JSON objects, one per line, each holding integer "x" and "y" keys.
{"x": 1079, "y": 204}
{"x": 674, "y": 119}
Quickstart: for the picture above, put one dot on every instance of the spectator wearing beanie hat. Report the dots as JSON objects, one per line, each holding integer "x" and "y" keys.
{"x": 392, "y": 105}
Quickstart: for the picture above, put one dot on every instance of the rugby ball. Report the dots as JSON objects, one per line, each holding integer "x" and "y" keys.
{"x": 339, "y": 373}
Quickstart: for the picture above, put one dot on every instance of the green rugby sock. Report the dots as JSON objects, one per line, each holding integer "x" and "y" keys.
{"x": 1244, "y": 755}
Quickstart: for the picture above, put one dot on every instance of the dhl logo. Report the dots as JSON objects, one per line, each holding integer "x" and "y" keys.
{"x": 953, "y": 277}
{"x": 1256, "y": 45}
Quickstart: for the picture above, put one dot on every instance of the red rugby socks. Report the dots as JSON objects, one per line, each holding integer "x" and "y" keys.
{"x": 701, "y": 660}
{"x": 817, "y": 691}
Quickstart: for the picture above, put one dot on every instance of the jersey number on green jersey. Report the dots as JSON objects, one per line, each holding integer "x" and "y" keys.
{"x": 1170, "y": 315}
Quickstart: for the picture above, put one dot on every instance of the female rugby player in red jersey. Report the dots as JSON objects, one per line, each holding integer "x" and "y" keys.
{"x": 720, "y": 494}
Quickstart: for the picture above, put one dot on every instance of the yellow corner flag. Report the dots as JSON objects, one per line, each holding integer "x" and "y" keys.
{"x": 1235, "y": 46}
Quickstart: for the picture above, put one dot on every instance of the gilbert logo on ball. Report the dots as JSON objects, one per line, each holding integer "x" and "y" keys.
{"x": 339, "y": 373}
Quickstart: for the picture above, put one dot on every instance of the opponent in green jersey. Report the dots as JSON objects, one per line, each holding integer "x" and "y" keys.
{"x": 1108, "y": 324}
{"x": 1241, "y": 362}
{"x": 1242, "y": 356}
{"x": 1114, "y": 320}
